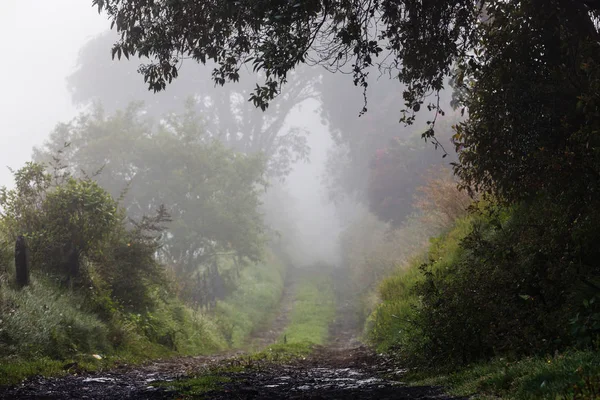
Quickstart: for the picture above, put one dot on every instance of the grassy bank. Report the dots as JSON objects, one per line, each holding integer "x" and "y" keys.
{"x": 572, "y": 375}
{"x": 49, "y": 330}
{"x": 480, "y": 311}
{"x": 392, "y": 324}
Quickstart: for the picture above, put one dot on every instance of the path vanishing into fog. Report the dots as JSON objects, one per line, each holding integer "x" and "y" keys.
{"x": 343, "y": 369}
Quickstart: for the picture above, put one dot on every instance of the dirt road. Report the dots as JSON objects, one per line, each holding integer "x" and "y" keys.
{"x": 344, "y": 369}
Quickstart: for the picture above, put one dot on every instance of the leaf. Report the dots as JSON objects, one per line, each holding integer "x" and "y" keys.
{"x": 100, "y": 4}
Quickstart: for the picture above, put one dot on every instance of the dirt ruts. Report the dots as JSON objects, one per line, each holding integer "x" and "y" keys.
{"x": 271, "y": 334}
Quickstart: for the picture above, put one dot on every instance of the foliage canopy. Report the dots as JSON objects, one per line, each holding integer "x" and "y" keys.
{"x": 418, "y": 40}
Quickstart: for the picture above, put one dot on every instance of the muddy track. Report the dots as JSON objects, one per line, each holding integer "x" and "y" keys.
{"x": 271, "y": 334}
{"x": 334, "y": 374}
{"x": 344, "y": 369}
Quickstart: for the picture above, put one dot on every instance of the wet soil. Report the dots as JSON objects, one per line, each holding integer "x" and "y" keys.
{"x": 124, "y": 382}
{"x": 330, "y": 373}
{"x": 344, "y": 369}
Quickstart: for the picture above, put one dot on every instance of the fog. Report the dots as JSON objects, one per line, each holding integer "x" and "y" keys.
{"x": 42, "y": 53}
{"x": 319, "y": 224}
{"x": 39, "y": 45}
{"x": 305, "y": 198}
{"x": 50, "y": 47}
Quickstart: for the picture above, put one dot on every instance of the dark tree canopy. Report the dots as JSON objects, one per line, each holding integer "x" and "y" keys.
{"x": 357, "y": 139}
{"x": 531, "y": 91}
{"x": 397, "y": 169}
{"x": 525, "y": 71}
{"x": 416, "y": 41}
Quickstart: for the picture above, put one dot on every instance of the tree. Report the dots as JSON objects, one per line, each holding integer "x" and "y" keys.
{"x": 275, "y": 37}
{"x": 225, "y": 113}
{"x": 211, "y": 192}
{"x": 525, "y": 70}
{"x": 394, "y": 174}
{"x": 352, "y": 165}
{"x": 531, "y": 90}
{"x": 76, "y": 233}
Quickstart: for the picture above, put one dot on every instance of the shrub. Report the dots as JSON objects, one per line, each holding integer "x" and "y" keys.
{"x": 440, "y": 200}
{"x": 505, "y": 281}
{"x": 77, "y": 234}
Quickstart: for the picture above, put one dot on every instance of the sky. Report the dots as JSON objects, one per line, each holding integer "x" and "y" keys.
{"x": 39, "y": 43}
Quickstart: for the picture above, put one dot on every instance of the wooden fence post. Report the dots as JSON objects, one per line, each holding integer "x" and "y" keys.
{"x": 21, "y": 262}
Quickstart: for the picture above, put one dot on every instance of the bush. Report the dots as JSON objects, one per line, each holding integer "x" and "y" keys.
{"x": 392, "y": 323}
{"x": 77, "y": 234}
{"x": 505, "y": 281}
{"x": 511, "y": 287}
{"x": 439, "y": 199}
{"x": 178, "y": 328}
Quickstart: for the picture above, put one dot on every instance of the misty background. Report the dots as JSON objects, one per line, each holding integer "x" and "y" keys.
{"x": 186, "y": 222}
{"x": 47, "y": 51}
{"x": 44, "y": 53}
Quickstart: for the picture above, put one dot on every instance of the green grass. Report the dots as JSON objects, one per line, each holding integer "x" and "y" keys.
{"x": 198, "y": 386}
{"x": 566, "y": 376}
{"x": 41, "y": 319}
{"x": 312, "y": 313}
{"x": 44, "y": 327}
{"x": 14, "y": 371}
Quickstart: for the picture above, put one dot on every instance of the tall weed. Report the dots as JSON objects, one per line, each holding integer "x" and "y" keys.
{"x": 41, "y": 320}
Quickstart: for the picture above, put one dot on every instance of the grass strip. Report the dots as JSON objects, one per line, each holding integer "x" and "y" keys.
{"x": 571, "y": 375}
{"x": 311, "y": 316}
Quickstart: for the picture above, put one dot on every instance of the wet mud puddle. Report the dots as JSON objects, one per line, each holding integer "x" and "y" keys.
{"x": 311, "y": 382}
